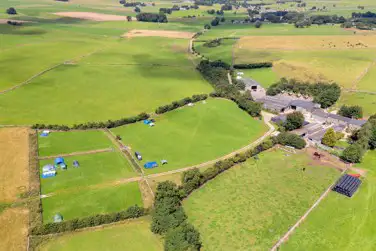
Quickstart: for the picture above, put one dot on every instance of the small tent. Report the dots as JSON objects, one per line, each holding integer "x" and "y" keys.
{"x": 138, "y": 155}
{"x": 59, "y": 160}
{"x": 151, "y": 164}
{"x": 48, "y": 168}
{"x": 76, "y": 164}
{"x": 164, "y": 161}
{"x": 58, "y": 218}
{"x": 146, "y": 121}
{"x": 48, "y": 174}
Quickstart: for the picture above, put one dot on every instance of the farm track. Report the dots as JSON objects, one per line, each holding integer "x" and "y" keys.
{"x": 362, "y": 75}
{"x": 77, "y": 153}
{"x": 305, "y": 215}
{"x": 359, "y": 91}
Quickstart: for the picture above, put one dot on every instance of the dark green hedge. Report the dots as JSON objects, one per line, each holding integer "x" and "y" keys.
{"x": 176, "y": 104}
{"x": 254, "y": 65}
{"x": 90, "y": 221}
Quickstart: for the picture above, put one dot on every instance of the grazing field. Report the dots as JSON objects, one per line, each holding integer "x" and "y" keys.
{"x": 265, "y": 76}
{"x": 14, "y": 163}
{"x": 116, "y": 94}
{"x": 341, "y": 223}
{"x": 81, "y": 203}
{"x": 368, "y": 81}
{"x": 132, "y": 235}
{"x": 94, "y": 170}
{"x": 366, "y": 101}
{"x": 252, "y": 205}
{"x": 192, "y": 135}
{"x": 92, "y": 16}
{"x": 158, "y": 33}
{"x": 74, "y": 141}
{"x": 14, "y": 229}
{"x": 222, "y": 52}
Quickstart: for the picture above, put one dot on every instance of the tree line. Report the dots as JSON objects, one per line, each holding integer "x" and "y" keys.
{"x": 176, "y": 104}
{"x": 152, "y": 17}
{"x": 253, "y": 65}
{"x": 216, "y": 74}
{"x": 361, "y": 140}
{"x": 90, "y": 221}
{"x": 325, "y": 94}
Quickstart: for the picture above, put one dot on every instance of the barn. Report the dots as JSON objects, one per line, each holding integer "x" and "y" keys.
{"x": 347, "y": 185}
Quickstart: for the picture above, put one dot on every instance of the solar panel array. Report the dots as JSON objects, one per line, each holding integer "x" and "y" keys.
{"x": 347, "y": 185}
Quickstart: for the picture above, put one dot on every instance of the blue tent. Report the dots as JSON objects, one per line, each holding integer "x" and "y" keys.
{"x": 146, "y": 121}
{"x": 59, "y": 161}
{"x": 76, "y": 164}
{"x": 152, "y": 164}
{"x": 43, "y": 134}
{"x": 49, "y": 174}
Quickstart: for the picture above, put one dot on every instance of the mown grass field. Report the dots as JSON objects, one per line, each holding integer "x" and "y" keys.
{"x": 366, "y": 101}
{"x": 341, "y": 223}
{"x": 132, "y": 235}
{"x": 101, "y": 200}
{"x": 250, "y": 206}
{"x": 368, "y": 81}
{"x": 192, "y": 135}
{"x": 265, "y": 76}
{"x": 222, "y": 52}
{"x": 95, "y": 169}
{"x": 73, "y": 141}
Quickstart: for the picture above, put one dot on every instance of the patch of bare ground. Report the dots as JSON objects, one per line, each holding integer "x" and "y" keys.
{"x": 363, "y": 32}
{"x": 147, "y": 197}
{"x": 326, "y": 159}
{"x": 14, "y": 168}
{"x": 13, "y": 230}
{"x": 4, "y": 21}
{"x": 175, "y": 177}
{"x": 92, "y": 16}
{"x": 158, "y": 33}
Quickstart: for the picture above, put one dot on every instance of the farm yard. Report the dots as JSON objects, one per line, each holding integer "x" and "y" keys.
{"x": 203, "y": 132}
{"x": 103, "y": 104}
{"x": 252, "y": 205}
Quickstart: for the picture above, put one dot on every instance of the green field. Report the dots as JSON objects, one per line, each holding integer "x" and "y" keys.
{"x": 366, "y": 101}
{"x": 252, "y": 205}
{"x": 82, "y": 203}
{"x": 132, "y": 235}
{"x": 74, "y": 141}
{"x": 368, "y": 81}
{"x": 222, "y": 52}
{"x": 265, "y": 76}
{"x": 192, "y": 135}
{"x": 95, "y": 169}
{"x": 341, "y": 223}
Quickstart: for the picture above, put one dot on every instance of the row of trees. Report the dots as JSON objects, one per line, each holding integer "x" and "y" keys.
{"x": 169, "y": 219}
{"x": 325, "y": 94}
{"x": 95, "y": 125}
{"x": 216, "y": 74}
{"x": 254, "y": 65}
{"x": 176, "y": 104}
{"x": 90, "y": 221}
{"x": 362, "y": 140}
{"x": 152, "y": 17}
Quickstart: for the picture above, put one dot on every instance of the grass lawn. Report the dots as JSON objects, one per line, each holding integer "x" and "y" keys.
{"x": 250, "y": 206}
{"x": 94, "y": 169}
{"x": 74, "y": 141}
{"x": 132, "y": 235}
{"x": 113, "y": 93}
{"x": 77, "y": 204}
{"x": 265, "y": 76}
{"x": 192, "y": 135}
{"x": 341, "y": 223}
{"x": 366, "y": 101}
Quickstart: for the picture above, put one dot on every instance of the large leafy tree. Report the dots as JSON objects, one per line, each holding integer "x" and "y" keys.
{"x": 330, "y": 138}
{"x": 294, "y": 121}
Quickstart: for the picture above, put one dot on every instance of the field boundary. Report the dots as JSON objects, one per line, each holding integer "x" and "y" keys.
{"x": 77, "y": 153}
{"x": 305, "y": 215}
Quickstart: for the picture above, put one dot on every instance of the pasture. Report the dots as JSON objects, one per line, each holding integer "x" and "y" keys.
{"x": 94, "y": 170}
{"x": 192, "y": 135}
{"x": 14, "y": 163}
{"x": 222, "y": 52}
{"x": 132, "y": 235}
{"x": 250, "y": 206}
{"x": 341, "y": 223}
{"x": 101, "y": 200}
{"x": 74, "y": 141}
{"x": 265, "y": 76}
{"x": 366, "y": 101}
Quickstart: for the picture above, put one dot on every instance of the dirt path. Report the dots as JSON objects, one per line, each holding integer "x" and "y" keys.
{"x": 301, "y": 219}
{"x": 78, "y": 153}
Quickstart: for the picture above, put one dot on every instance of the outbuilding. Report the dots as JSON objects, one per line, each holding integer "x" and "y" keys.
{"x": 347, "y": 185}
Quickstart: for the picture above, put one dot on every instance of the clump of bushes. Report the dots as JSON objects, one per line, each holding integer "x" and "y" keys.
{"x": 95, "y": 125}
{"x": 213, "y": 43}
{"x": 176, "y": 104}
{"x": 294, "y": 121}
{"x": 11, "y": 11}
{"x": 354, "y": 112}
{"x": 290, "y": 139}
{"x": 325, "y": 94}
{"x": 90, "y": 221}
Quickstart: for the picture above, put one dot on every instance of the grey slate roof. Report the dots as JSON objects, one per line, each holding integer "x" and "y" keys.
{"x": 308, "y": 105}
